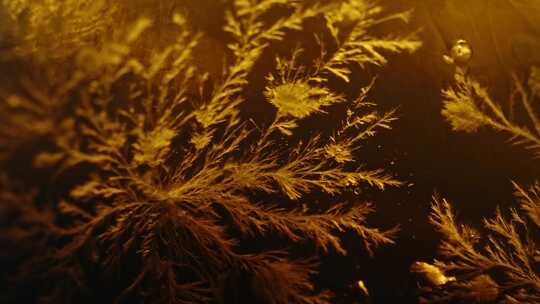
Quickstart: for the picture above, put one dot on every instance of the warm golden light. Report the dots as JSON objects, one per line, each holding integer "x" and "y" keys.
{"x": 257, "y": 151}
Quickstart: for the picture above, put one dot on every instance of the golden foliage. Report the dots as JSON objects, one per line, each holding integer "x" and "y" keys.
{"x": 56, "y": 27}
{"x": 171, "y": 175}
{"x": 499, "y": 268}
{"x": 502, "y": 266}
{"x": 468, "y": 106}
{"x": 355, "y": 45}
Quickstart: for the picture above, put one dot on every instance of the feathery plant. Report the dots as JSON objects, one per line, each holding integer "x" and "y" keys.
{"x": 504, "y": 265}
{"x": 148, "y": 175}
{"x": 56, "y": 27}
{"x": 468, "y": 107}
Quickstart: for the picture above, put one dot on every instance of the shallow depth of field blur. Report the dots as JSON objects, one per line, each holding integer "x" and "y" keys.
{"x": 269, "y": 151}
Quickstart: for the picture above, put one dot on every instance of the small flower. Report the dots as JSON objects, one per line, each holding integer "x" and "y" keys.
{"x": 338, "y": 152}
{"x": 463, "y": 115}
{"x": 293, "y": 99}
{"x": 300, "y": 99}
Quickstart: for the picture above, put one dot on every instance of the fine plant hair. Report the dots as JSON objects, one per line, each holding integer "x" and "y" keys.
{"x": 469, "y": 107}
{"x": 144, "y": 178}
{"x": 502, "y": 266}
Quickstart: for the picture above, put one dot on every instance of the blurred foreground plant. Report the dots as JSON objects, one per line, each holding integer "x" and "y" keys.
{"x": 148, "y": 180}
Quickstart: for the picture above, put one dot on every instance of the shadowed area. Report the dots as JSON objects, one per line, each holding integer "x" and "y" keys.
{"x": 472, "y": 170}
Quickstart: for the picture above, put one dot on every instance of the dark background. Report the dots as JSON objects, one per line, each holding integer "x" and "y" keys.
{"x": 473, "y": 171}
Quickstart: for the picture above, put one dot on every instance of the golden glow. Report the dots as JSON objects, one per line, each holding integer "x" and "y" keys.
{"x": 159, "y": 160}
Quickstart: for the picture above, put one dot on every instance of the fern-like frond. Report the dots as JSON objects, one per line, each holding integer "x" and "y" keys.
{"x": 498, "y": 267}
{"x": 355, "y": 46}
{"x": 468, "y": 106}
{"x": 151, "y": 174}
{"x": 530, "y": 201}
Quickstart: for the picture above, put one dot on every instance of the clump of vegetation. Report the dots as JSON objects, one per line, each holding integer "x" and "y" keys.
{"x": 143, "y": 175}
{"x": 56, "y": 28}
{"x": 468, "y": 107}
{"x": 502, "y": 266}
